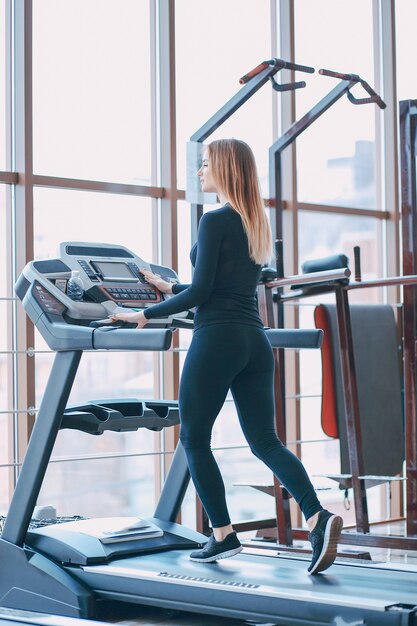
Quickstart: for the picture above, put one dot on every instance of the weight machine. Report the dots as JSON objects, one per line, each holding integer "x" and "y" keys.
{"x": 408, "y": 155}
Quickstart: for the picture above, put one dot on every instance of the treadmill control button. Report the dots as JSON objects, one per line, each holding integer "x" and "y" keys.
{"x": 129, "y": 293}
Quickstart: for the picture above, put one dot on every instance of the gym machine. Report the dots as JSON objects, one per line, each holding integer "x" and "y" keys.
{"x": 344, "y": 87}
{"x": 312, "y": 284}
{"x": 69, "y": 568}
{"x": 408, "y": 136}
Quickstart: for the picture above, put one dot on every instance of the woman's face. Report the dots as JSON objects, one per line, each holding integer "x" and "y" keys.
{"x": 204, "y": 173}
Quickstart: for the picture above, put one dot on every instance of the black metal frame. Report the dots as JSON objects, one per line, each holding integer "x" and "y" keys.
{"x": 40, "y": 446}
{"x": 347, "y": 82}
{"x": 408, "y": 135}
{"x": 285, "y": 533}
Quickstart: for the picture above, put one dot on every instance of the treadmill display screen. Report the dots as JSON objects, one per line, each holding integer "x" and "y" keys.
{"x": 113, "y": 271}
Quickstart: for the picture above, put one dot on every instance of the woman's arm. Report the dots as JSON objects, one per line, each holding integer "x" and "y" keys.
{"x": 164, "y": 286}
{"x": 178, "y": 287}
{"x": 210, "y": 235}
{"x": 138, "y": 317}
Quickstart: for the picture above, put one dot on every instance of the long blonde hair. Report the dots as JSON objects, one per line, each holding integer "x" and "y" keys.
{"x": 233, "y": 169}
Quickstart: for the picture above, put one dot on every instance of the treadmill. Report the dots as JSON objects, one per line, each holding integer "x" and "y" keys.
{"x": 14, "y": 617}
{"x": 68, "y": 568}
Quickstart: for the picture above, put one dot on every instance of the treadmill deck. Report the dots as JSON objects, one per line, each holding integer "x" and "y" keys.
{"x": 261, "y": 586}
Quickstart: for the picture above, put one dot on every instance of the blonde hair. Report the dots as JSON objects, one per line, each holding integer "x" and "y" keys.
{"x": 233, "y": 169}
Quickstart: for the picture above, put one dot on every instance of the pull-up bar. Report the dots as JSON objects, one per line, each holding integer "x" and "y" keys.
{"x": 354, "y": 77}
{"x": 251, "y": 82}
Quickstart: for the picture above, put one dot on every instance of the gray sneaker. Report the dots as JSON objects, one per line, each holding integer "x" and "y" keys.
{"x": 323, "y": 539}
{"x": 214, "y": 550}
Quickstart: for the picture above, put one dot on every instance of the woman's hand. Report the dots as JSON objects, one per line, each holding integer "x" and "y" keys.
{"x": 137, "y": 317}
{"x": 154, "y": 279}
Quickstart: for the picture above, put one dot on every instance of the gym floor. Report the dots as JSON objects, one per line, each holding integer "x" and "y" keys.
{"x": 131, "y": 615}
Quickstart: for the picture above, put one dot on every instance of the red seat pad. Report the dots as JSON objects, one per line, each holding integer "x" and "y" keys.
{"x": 328, "y": 406}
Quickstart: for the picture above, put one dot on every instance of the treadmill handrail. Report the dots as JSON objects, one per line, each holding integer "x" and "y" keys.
{"x": 311, "y": 277}
{"x": 295, "y": 338}
{"x": 110, "y": 338}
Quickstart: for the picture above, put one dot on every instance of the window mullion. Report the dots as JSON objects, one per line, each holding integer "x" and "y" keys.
{"x": 22, "y": 223}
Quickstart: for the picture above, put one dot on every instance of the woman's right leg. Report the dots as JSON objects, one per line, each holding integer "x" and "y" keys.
{"x": 253, "y": 392}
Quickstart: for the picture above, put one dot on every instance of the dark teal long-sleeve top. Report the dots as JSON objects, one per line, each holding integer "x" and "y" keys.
{"x": 225, "y": 277}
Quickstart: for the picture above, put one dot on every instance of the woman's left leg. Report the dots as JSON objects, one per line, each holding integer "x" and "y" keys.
{"x": 212, "y": 361}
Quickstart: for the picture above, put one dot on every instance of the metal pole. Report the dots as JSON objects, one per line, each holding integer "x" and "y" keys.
{"x": 40, "y": 446}
{"x": 408, "y": 134}
{"x": 351, "y": 398}
{"x": 22, "y": 218}
{"x": 175, "y": 486}
{"x": 226, "y": 111}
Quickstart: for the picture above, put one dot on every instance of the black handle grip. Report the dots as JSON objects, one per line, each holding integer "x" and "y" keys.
{"x": 279, "y": 256}
{"x": 287, "y": 86}
{"x": 357, "y": 257}
{"x": 374, "y": 97}
{"x": 298, "y": 68}
{"x": 333, "y": 74}
{"x": 379, "y": 101}
{"x": 371, "y": 100}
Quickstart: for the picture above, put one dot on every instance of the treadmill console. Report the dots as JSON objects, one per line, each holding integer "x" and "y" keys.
{"x": 112, "y": 282}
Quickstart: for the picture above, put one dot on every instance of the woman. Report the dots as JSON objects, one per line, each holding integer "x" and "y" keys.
{"x": 230, "y": 350}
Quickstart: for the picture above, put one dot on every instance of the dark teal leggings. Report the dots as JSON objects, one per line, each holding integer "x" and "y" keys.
{"x": 239, "y": 358}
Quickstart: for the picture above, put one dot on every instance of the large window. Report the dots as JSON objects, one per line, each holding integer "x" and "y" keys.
{"x": 184, "y": 242}
{"x": 405, "y": 18}
{"x": 92, "y": 94}
{"x": 335, "y": 167}
{"x": 6, "y": 302}
{"x": 211, "y": 55}
{"x": 336, "y": 156}
{"x": 324, "y": 234}
{"x": 97, "y": 117}
{"x": 62, "y": 215}
{"x": 6, "y": 417}
{"x": 4, "y": 129}
{"x": 114, "y": 479}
